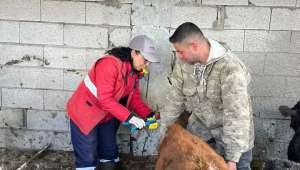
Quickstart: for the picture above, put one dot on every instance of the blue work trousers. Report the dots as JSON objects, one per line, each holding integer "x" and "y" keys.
{"x": 99, "y": 146}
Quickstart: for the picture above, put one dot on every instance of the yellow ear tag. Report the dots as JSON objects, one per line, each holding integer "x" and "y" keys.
{"x": 145, "y": 71}
{"x": 152, "y": 125}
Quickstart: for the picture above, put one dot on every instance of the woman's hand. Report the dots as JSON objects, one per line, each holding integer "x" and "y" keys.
{"x": 137, "y": 122}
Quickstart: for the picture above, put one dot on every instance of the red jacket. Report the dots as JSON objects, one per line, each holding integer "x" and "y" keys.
{"x": 112, "y": 80}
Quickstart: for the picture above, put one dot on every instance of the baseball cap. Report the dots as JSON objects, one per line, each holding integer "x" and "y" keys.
{"x": 146, "y": 46}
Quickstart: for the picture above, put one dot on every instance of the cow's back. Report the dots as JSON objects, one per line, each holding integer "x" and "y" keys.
{"x": 180, "y": 150}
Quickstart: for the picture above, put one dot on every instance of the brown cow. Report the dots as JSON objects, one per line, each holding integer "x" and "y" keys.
{"x": 180, "y": 150}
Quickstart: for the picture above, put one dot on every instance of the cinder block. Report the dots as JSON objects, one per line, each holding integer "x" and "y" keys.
{"x": 31, "y": 78}
{"x": 295, "y": 42}
{"x": 265, "y": 128}
{"x": 259, "y": 152}
{"x": 151, "y": 141}
{"x": 19, "y": 10}
{"x": 253, "y": 61}
{"x": 102, "y": 14}
{"x": 47, "y": 120}
{"x": 278, "y": 150}
{"x": 92, "y": 56}
{"x": 69, "y": 58}
{"x": 9, "y": 31}
{"x": 285, "y": 19}
{"x": 267, "y": 86}
{"x": 293, "y": 89}
{"x": 22, "y": 98}
{"x": 41, "y": 33}
{"x": 3, "y": 134}
{"x": 85, "y": 36}
{"x": 225, "y": 2}
{"x": 267, "y": 41}
{"x": 189, "y": 1}
{"x": 22, "y": 139}
{"x": 11, "y": 118}
{"x": 0, "y": 97}
{"x": 267, "y": 107}
{"x": 277, "y": 130}
{"x": 72, "y": 78}
{"x": 92, "y": 0}
{"x": 123, "y": 142}
{"x": 11, "y": 77}
{"x": 203, "y": 17}
{"x": 56, "y": 100}
{"x": 247, "y": 18}
{"x": 158, "y": 3}
{"x": 120, "y": 37}
{"x": 22, "y": 55}
{"x": 234, "y": 39}
{"x": 266, "y": 148}
{"x": 160, "y": 36}
{"x": 289, "y": 3}
{"x": 62, "y": 141}
{"x": 144, "y": 15}
{"x": 284, "y": 64}
{"x": 63, "y": 11}
{"x": 30, "y": 139}
{"x": 126, "y": 1}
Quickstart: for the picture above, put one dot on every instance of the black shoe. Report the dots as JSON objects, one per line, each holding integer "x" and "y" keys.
{"x": 108, "y": 166}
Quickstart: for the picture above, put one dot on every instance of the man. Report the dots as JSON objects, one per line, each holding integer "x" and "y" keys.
{"x": 211, "y": 82}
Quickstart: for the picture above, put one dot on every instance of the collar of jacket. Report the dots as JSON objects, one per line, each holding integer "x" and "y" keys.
{"x": 216, "y": 51}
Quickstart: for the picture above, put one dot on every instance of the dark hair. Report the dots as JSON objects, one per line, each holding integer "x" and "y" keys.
{"x": 184, "y": 31}
{"x": 123, "y": 53}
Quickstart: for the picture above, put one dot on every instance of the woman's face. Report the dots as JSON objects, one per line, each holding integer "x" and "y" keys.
{"x": 139, "y": 62}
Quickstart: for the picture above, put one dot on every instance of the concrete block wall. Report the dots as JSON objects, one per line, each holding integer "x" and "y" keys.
{"x": 47, "y": 46}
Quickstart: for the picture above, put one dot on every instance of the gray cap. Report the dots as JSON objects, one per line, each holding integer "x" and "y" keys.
{"x": 146, "y": 46}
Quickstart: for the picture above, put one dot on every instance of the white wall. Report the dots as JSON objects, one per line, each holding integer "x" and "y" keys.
{"x": 46, "y": 47}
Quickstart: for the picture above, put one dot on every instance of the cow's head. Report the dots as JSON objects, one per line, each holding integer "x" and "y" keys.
{"x": 294, "y": 113}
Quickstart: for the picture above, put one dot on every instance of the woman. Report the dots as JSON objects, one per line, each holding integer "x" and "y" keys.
{"x": 108, "y": 95}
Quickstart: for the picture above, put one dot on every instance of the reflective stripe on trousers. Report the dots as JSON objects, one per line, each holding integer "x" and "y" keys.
{"x": 86, "y": 168}
{"x": 106, "y": 160}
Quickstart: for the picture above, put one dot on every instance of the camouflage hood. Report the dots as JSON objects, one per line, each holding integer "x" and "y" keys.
{"x": 216, "y": 52}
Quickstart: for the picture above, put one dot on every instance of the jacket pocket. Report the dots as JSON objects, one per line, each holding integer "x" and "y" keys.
{"x": 208, "y": 115}
{"x": 84, "y": 107}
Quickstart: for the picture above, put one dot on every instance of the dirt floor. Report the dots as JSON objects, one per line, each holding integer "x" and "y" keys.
{"x": 59, "y": 160}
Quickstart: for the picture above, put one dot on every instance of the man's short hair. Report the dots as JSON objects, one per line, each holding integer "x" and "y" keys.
{"x": 184, "y": 31}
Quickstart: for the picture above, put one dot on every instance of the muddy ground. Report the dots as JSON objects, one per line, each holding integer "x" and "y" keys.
{"x": 60, "y": 160}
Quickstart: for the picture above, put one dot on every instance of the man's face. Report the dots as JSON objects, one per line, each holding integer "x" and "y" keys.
{"x": 185, "y": 52}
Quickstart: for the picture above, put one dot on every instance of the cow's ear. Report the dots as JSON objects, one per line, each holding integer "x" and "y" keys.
{"x": 286, "y": 111}
{"x": 297, "y": 106}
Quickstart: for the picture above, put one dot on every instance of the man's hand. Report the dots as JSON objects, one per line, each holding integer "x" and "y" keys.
{"x": 231, "y": 165}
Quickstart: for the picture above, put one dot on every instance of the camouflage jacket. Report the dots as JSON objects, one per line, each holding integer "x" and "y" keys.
{"x": 217, "y": 96}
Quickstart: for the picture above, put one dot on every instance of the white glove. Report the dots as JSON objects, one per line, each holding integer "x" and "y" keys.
{"x": 137, "y": 122}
